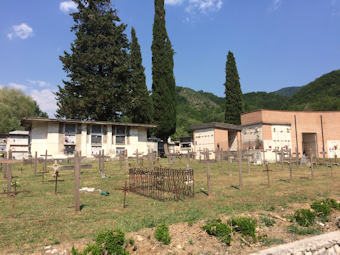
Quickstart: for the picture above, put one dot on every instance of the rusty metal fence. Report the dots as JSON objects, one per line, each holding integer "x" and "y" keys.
{"x": 162, "y": 184}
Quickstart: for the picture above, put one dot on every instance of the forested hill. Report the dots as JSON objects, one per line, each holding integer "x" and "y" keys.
{"x": 199, "y": 106}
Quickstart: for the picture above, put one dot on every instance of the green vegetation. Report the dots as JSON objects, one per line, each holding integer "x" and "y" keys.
{"x": 163, "y": 80}
{"x": 268, "y": 222}
{"x": 233, "y": 93}
{"x": 246, "y": 226}
{"x": 322, "y": 208}
{"x": 140, "y": 103}
{"x": 15, "y": 105}
{"x": 162, "y": 233}
{"x": 109, "y": 242}
{"x": 221, "y": 230}
{"x": 97, "y": 67}
{"x": 288, "y": 91}
{"x": 332, "y": 203}
{"x": 304, "y": 217}
{"x": 294, "y": 229}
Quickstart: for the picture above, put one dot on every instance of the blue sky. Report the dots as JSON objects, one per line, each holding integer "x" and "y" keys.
{"x": 277, "y": 43}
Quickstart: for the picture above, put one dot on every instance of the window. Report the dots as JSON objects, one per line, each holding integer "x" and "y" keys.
{"x": 70, "y": 128}
{"x": 120, "y": 135}
{"x": 96, "y": 129}
{"x": 96, "y": 139}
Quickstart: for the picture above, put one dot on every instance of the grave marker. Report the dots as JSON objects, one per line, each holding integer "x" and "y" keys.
{"x": 76, "y": 181}
{"x": 208, "y": 170}
{"x": 267, "y": 170}
{"x": 45, "y": 160}
{"x": 240, "y": 169}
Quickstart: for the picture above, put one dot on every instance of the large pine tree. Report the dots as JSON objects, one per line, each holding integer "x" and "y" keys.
{"x": 141, "y": 104}
{"x": 233, "y": 93}
{"x": 163, "y": 86}
{"x": 98, "y": 65}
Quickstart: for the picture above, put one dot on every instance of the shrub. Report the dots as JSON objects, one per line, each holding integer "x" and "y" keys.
{"x": 110, "y": 243}
{"x": 322, "y": 208}
{"x": 268, "y": 222}
{"x": 245, "y": 225}
{"x": 332, "y": 203}
{"x": 221, "y": 230}
{"x": 304, "y": 217}
{"x": 162, "y": 233}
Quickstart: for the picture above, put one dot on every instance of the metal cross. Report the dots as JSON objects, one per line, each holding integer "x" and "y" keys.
{"x": 267, "y": 170}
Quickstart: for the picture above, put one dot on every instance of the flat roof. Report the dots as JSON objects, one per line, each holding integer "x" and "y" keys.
{"x": 267, "y": 123}
{"x": 260, "y": 110}
{"x": 19, "y": 132}
{"x": 31, "y": 120}
{"x": 218, "y": 125}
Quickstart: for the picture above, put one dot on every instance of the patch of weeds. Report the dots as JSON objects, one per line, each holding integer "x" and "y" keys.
{"x": 332, "y": 203}
{"x": 268, "y": 222}
{"x": 245, "y": 225}
{"x": 110, "y": 242}
{"x": 134, "y": 248}
{"x": 322, "y": 208}
{"x": 269, "y": 208}
{"x": 191, "y": 241}
{"x": 303, "y": 230}
{"x": 131, "y": 241}
{"x": 221, "y": 230}
{"x": 272, "y": 241}
{"x": 304, "y": 217}
{"x": 53, "y": 240}
{"x": 162, "y": 233}
{"x": 190, "y": 223}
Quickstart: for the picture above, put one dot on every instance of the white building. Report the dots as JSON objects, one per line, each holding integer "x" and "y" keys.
{"x": 62, "y": 137}
{"x": 18, "y": 143}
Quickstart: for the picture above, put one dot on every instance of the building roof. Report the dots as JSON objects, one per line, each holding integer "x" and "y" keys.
{"x": 218, "y": 125}
{"x": 267, "y": 123}
{"x": 27, "y": 121}
{"x": 301, "y": 111}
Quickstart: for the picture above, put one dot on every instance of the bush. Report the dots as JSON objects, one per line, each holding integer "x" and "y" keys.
{"x": 110, "y": 243}
{"x": 304, "y": 217}
{"x": 162, "y": 233}
{"x": 247, "y": 226}
{"x": 322, "y": 208}
{"x": 221, "y": 230}
{"x": 332, "y": 203}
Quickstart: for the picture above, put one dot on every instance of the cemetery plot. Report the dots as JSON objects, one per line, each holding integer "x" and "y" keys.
{"x": 162, "y": 183}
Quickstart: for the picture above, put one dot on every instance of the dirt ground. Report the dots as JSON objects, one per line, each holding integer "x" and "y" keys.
{"x": 192, "y": 239}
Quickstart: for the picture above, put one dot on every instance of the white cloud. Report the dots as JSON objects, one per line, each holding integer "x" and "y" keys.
{"x": 173, "y": 2}
{"x": 46, "y": 100}
{"x": 201, "y": 6}
{"x": 23, "y": 31}
{"x": 39, "y": 83}
{"x": 17, "y": 86}
{"x": 68, "y": 6}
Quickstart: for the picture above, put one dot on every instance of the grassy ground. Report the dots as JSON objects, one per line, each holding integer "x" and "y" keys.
{"x": 43, "y": 218}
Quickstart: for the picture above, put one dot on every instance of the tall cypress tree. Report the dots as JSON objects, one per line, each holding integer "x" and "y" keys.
{"x": 163, "y": 86}
{"x": 233, "y": 93}
{"x": 141, "y": 104}
{"x": 98, "y": 65}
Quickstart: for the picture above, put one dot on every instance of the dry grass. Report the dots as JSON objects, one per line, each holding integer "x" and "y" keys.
{"x": 43, "y": 218}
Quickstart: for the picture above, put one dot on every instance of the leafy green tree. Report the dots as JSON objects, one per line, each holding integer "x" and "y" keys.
{"x": 98, "y": 65}
{"x": 163, "y": 86}
{"x": 15, "y": 105}
{"x": 141, "y": 104}
{"x": 233, "y": 93}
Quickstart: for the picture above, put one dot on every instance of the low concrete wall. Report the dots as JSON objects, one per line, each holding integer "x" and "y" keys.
{"x": 327, "y": 244}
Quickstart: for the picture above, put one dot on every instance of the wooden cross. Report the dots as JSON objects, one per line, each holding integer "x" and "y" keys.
{"x": 290, "y": 166}
{"x": 76, "y": 181}
{"x": 264, "y": 155}
{"x": 45, "y": 160}
{"x": 240, "y": 169}
{"x": 124, "y": 189}
{"x": 137, "y": 156}
{"x": 13, "y": 194}
{"x": 323, "y": 157}
{"x": 267, "y": 170}
{"x": 312, "y": 166}
{"x": 282, "y": 155}
{"x": 248, "y": 155}
{"x": 55, "y": 167}
{"x": 297, "y": 157}
{"x": 208, "y": 170}
{"x": 101, "y": 158}
{"x": 229, "y": 167}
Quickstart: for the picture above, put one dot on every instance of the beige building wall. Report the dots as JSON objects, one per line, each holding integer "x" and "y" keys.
{"x": 204, "y": 139}
{"x": 307, "y": 122}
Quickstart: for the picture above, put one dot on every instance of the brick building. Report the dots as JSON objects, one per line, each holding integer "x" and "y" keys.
{"x": 302, "y": 132}
{"x": 214, "y": 136}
